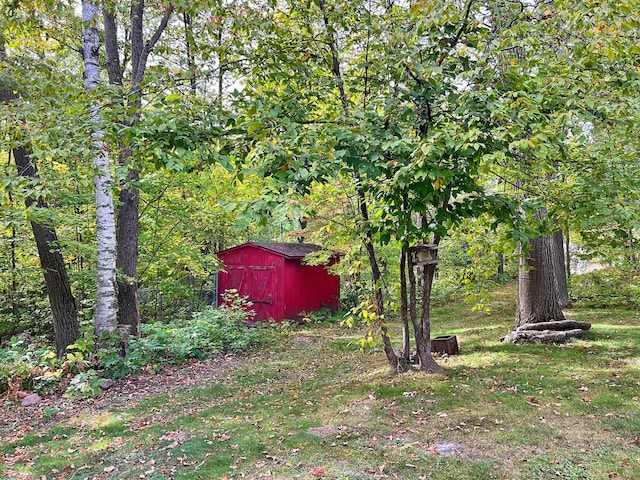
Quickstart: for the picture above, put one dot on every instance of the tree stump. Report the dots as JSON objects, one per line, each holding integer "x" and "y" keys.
{"x": 547, "y": 332}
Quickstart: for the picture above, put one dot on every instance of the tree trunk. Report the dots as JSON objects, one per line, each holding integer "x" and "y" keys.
{"x": 404, "y": 308}
{"x": 127, "y": 256}
{"x": 66, "y": 329}
{"x": 128, "y": 225}
{"x": 560, "y": 276}
{"x": 537, "y": 298}
{"x": 105, "y": 321}
{"x": 392, "y": 358}
{"x": 423, "y": 331}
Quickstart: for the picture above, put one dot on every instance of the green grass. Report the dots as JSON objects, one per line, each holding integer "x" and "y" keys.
{"x": 315, "y": 403}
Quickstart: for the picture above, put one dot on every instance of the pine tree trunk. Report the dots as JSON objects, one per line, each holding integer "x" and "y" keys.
{"x": 105, "y": 320}
{"x": 537, "y": 298}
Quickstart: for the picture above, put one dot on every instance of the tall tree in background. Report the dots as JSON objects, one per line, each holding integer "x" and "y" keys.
{"x": 66, "y": 328}
{"x": 128, "y": 226}
{"x": 105, "y": 321}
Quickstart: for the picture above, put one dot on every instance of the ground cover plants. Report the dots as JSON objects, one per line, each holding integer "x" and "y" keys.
{"x": 313, "y": 405}
{"x": 28, "y": 363}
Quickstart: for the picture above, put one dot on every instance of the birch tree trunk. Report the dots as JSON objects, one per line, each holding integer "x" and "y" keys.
{"x": 105, "y": 320}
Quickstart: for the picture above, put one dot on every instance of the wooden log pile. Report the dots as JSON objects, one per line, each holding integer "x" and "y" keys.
{"x": 547, "y": 332}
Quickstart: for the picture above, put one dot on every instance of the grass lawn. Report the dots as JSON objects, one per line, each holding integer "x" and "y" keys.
{"x": 313, "y": 406}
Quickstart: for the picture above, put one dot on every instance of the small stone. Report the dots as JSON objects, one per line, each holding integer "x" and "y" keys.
{"x": 33, "y": 399}
{"x": 106, "y": 383}
{"x": 448, "y": 449}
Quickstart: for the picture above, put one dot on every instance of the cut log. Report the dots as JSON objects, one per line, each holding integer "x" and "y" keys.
{"x": 557, "y": 326}
{"x": 542, "y": 336}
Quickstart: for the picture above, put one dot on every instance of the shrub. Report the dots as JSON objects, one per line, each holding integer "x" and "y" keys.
{"x": 606, "y": 288}
{"x": 26, "y": 366}
{"x": 207, "y": 333}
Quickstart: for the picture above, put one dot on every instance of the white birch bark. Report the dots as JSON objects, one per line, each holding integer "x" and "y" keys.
{"x": 105, "y": 315}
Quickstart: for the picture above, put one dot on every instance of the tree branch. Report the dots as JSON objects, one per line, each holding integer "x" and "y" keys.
{"x": 149, "y": 46}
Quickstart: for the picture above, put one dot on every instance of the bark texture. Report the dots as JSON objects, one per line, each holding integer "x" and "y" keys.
{"x": 559, "y": 272}
{"x": 404, "y": 307}
{"x": 537, "y": 298}
{"x": 66, "y": 328}
{"x": 128, "y": 227}
{"x": 105, "y": 320}
{"x": 422, "y": 329}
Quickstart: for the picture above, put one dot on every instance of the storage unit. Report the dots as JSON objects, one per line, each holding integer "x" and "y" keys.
{"x": 274, "y": 278}
{"x": 445, "y": 344}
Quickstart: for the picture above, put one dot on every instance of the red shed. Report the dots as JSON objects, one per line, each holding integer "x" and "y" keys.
{"x": 274, "y": 278}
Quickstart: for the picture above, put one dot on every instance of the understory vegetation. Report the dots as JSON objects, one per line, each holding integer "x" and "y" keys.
{"x": 31, "y": 364}
{"x": 313, "y": 405}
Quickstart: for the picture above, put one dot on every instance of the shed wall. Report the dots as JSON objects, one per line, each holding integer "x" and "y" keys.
{"x": 256, "y": 274}
{"x": 309, "y": 288}
{"x": 279, "y": 287}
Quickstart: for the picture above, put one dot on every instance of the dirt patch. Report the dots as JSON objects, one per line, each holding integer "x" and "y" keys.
{"x": 325, "y": 431}
{"x": 16, "y": 421}
{"x": 303, "y": 340}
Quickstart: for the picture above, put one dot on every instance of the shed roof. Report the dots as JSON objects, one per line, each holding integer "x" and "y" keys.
{"x": 287, "y": 250}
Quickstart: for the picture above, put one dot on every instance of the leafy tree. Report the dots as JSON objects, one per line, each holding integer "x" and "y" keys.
{"x": 127, "y": 232}
{"x": 66, "y": 327}
{"x": 399, "y": 117}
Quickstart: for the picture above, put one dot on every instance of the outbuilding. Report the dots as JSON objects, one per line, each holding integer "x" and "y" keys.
{"x": 274, "y": 277}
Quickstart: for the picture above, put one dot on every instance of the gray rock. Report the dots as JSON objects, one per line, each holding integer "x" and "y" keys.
{"x": 30, "y": 400}
{"x": 106, "y": 383}
{"x": 448, "y": 449}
